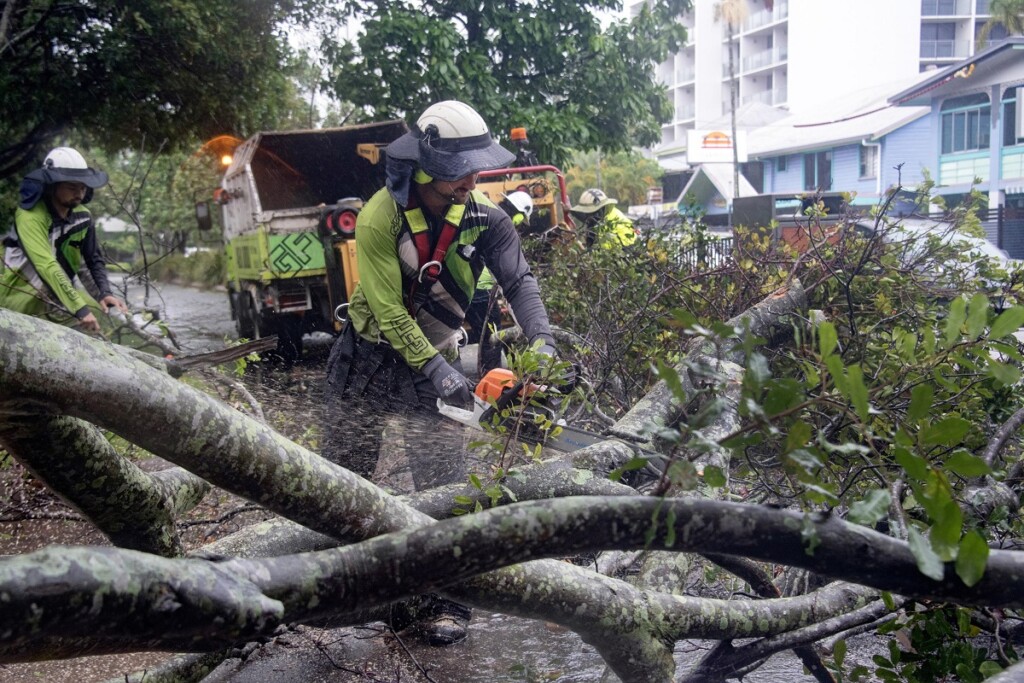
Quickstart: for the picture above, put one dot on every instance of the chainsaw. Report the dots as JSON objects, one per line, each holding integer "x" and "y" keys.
{"x": 501, "y": 398}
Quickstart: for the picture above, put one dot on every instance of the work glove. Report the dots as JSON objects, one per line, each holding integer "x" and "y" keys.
{"x": 451, "y": 385}
{"x": 565, "y": 379}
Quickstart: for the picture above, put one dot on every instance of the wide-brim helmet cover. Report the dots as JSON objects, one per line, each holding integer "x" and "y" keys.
{"x": 592, "y": 200}
{"x": 66, "y": 165}
{"x": 450, "y": 141}
{"x": 62, "y": 165}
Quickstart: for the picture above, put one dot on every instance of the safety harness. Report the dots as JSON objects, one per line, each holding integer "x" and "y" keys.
{"x": 430, "y": 255}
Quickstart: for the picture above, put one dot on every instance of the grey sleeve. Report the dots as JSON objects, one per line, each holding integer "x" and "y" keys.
{"x": 94, "y": 262}
{"x": 503, "y": 255}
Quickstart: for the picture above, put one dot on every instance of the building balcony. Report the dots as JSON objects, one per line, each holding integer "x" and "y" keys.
{"x": 945, "y": 49}
{"x": 763, "y": 59}
{"x": 770, "y": 97}
{"x": 947, "y": 8}
{"x": 779, "y": 12}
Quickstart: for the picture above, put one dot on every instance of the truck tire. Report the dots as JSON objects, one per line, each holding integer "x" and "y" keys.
{"x": 289, "y": 337}
{"x": 241, "y": 304}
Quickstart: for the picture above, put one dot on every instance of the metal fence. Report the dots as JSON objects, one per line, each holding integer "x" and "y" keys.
{"x": 707, "y": 254}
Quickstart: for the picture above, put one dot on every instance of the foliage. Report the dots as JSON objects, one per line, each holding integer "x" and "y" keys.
{"x": 620, "y": 303}
{"x": 153, "y": 70}
{"x": 546, "y": 66}
{"x": 625, "y": 176}
{"x": 881, "y": 412}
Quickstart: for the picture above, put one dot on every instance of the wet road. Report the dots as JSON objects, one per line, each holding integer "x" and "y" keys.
{"x": 200, "y": 319}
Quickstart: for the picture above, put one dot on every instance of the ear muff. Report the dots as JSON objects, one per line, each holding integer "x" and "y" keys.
{"x": 421, "y": 177}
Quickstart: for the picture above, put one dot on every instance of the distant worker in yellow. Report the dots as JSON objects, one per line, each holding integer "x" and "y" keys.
{"x": 602, "y": 222}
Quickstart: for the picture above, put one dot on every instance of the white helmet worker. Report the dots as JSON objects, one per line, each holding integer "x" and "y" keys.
{"x": 592, "y": 200}
{"x": 450, "y": 141}
{"x": 67, "y": 165}
{"x": 522, "y": 201}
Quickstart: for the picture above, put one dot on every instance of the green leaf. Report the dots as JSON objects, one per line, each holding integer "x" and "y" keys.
{"x": 858, "y": 392}
{"x": 907, "y": 345}
{"x": 871, "y": 509}
{"x": 949, "y": 431}
{"x": 1006, "y": 375}
{"x": 989, "y": 668}
{"x": 967, "y": 465}
{"x": 945, "y": 532}
{"x": 714, "y": 477}
{"x": 971, "y": 558}
{"x": 928, "y": 340}
{"x": 887, "y": 600}
{"x": 921, "y": 398}
{"x": 670, "y": 377}
{"x": 835, "y": 368}
{"x": 839, "y": 652}
{"x": 977, "y": 315}
{"x": 827, "y": 338}
{"x": 957, "y": 315}
{"x": 927, "y": 561}
{"x": 799, "y": 434}
{"x": 1008, "y": 322}
{"x": 914, "y": 465}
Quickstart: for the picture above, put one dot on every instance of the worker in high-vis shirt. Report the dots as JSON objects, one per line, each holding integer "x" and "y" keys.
{"x": 422, "y": 243}
{"x": 52, "y": 236}
{"x": 602, "y": 222}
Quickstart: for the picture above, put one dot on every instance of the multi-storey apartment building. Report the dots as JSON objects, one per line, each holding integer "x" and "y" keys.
{"x": 795, "y": 54}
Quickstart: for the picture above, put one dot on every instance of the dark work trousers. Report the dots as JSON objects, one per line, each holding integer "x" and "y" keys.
{"x": 483, "y": 312}
{"x": 368, "y": 385}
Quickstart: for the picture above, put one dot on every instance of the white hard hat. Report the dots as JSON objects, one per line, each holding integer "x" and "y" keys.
{"x": 64, "y": 157}
{"x": 591, "y": 200}
{"x": 522, "y": 201}
{"x": 67, "y": 165}
{"x": 450, "y": 141}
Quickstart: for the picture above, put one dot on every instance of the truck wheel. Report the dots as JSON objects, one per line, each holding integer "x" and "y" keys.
{"x": 244, "y": 323}
{"x": 289, "y": 337}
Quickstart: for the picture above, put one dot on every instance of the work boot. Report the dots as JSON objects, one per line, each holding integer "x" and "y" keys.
{"x": 441, "y": 622}
{"x": 447, "y": 624}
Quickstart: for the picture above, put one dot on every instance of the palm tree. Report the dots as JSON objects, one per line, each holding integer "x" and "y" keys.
{"x": 1006, "y": 13}
{"x": 733, "y": 13}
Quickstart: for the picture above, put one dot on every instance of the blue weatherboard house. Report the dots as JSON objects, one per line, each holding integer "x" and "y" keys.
{"x": 954, "y": 125}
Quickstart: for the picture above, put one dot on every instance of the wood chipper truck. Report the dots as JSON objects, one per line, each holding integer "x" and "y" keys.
{"x": 289, "y": 202}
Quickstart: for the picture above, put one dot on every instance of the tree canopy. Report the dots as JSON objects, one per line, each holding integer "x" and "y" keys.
{"x": 122, "y": 72}
{"x": 548, "y": 66}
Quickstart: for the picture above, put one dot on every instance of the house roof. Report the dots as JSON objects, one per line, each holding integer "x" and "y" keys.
{"x": 940, "y": 83}
{"x": 712, "y": 179}
{"x": 861, "y": 115}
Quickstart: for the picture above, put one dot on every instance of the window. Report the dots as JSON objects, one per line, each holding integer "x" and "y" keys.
{"x": 1013, "y": 118}
{"x": 938, "y": 40}
{"x": 868, "y": 161}
{"x": 781, "y": 164}
{"x": 818, "y": 171}
{"x": 966, "y": 123}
